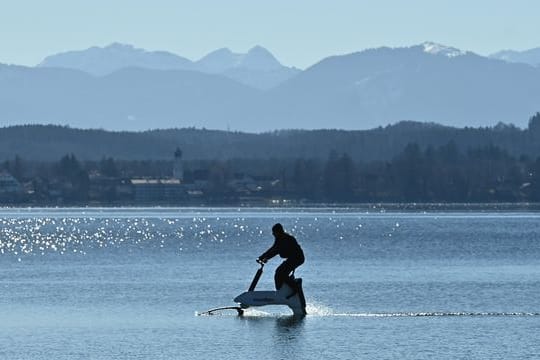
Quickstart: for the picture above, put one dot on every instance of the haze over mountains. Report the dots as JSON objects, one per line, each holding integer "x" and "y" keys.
{"x": 120, "y": 87}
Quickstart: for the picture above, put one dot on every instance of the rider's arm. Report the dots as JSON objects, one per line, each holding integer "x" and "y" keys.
{"x": 270, "y": 253}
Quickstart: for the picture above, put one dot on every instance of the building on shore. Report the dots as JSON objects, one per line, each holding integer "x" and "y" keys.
{"x": 178, "y": 167}
{"x": 158, "y": 190}
{"x": 163, "y": 190}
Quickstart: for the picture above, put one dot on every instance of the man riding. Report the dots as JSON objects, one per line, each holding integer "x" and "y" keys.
{"x": 287, "y": 247}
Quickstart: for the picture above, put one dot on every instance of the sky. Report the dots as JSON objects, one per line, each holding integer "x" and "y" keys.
{"x": 298, "y": 32}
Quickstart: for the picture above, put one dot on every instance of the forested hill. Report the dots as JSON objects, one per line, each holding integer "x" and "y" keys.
{"x": 50, "y": 142}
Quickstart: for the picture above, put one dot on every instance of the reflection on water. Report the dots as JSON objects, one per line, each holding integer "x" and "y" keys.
{"x": 290, "y": 322}
{"x": 288, "y": 337}
{"x": 355, "y": 234}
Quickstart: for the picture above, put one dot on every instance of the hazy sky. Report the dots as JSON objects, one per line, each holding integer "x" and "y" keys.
{"x": 298, "y": 32}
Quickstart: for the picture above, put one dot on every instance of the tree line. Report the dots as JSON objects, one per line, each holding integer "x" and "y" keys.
{"x": 418, "y": 173}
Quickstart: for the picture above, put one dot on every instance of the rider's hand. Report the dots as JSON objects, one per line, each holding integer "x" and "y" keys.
{"x": 260, "y": 260}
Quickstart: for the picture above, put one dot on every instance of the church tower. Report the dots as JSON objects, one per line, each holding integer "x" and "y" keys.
{"x": 178, "y": 169}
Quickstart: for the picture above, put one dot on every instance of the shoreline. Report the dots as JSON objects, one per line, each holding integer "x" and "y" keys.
{"x": 371, "y": 207}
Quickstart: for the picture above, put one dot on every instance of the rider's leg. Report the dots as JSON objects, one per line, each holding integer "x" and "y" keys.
{"x": 282, "y": 273}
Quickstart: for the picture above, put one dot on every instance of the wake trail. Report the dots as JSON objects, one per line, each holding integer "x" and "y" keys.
{"x": 318, "y": 310}
{"x": 433, "y": 314}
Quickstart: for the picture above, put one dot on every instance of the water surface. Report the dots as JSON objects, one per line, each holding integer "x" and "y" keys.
{"x": 128, "y": 283}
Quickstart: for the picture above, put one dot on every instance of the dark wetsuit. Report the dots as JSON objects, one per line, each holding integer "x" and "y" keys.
{"x": 287, "y": 247}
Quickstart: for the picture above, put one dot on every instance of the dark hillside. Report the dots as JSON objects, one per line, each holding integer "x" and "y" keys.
{"x": 50, "y": 142}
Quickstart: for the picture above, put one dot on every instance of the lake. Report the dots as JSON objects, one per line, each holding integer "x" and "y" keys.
{"x": 128, "y": 283}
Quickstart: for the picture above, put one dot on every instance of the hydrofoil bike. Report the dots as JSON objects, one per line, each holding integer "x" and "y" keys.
{"x": 293, "y": 298}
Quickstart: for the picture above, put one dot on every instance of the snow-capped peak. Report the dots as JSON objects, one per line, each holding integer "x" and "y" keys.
{"x": 438, "y": 49}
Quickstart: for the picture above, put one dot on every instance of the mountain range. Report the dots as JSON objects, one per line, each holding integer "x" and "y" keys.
{"x": 531, "y": 56}
{"x": 119, "y": 87}
{"x": 257, "y": 68}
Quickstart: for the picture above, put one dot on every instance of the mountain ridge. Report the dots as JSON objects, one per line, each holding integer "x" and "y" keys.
{"x": 257, "y": 68}
{"x": 427, "y": 82}
{"x": 530, "y": 56}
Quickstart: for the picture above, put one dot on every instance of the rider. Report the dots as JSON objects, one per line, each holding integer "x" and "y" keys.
{"x": 287, "y": 247}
